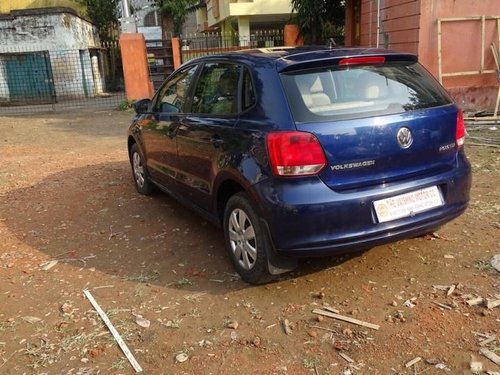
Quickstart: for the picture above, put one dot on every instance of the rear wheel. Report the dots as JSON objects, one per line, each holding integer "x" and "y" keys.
{"x": 139, "y": 171}
{"x": 246, "y": 241}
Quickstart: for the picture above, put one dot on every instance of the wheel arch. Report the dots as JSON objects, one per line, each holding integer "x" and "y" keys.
{"x": 130, "y": 142}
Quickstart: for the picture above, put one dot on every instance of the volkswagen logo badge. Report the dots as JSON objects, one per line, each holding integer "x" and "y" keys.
{"x": 404, "y": 137}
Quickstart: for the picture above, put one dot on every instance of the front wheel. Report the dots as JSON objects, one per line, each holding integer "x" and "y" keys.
{"x": 246, "y": 241}
{"x": 139, "y": 171}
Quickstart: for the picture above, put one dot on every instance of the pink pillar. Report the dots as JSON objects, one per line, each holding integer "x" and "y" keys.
{"x": 292, "y": 36}
{"x": 135, "y": 66}
{"x": 176, "y": 51}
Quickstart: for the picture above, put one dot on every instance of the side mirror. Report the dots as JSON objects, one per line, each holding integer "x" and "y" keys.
{"x": 142, "y": 105}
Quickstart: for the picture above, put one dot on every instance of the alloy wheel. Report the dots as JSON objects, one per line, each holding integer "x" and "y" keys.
{"x": 242, "y": 239}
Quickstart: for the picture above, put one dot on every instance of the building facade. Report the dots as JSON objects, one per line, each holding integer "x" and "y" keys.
{"x": 452, "y": 39}
{"x": 243, "y": 16}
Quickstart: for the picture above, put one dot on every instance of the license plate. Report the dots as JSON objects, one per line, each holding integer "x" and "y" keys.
{"x": 408, "y": 204}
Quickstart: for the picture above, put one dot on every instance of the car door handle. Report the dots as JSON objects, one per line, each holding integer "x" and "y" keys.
{"x": 217, "y": 141}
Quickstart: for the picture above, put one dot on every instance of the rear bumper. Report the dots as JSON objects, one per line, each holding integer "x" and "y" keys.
{"x": 305, "y": 218}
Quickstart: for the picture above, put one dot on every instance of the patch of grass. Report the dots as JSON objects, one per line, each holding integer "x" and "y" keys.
{"x": 195, "y": 298}
{"x": 181, "y": 282}
{"x": 125, "y": 105}
{"x": 69, "y": 343}
{"x": 141, "y": 278}
{"x": 195, "y": 313}
{"x": 7, "y": 326}
{"x": 174, "y": 323}
{"x": 483, "y": 265}
{"x": 41, "y": 355}
{"x": 119, "y": 364}
{"x": 310, "y": 363}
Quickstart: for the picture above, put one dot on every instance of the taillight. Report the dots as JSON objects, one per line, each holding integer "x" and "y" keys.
{"x": 295, "y": 153}
{"x": 460, "y": 130}
{"x": 362, "y": 60}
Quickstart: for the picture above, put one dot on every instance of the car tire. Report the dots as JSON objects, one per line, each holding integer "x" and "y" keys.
{"x": 246, "y": 240}
{"x": 139, "y": 171}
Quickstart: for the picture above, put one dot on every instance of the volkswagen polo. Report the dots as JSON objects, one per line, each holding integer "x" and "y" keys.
{"x": 301, "y": 152}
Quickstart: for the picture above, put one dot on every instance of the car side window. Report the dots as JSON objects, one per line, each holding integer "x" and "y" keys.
{"x": 248, "y": 94}
{"x": 172, "y": 96}
{"x": 217, "y": 90}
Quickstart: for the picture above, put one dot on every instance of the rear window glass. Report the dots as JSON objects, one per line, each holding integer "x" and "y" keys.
{"x": 361, "y": 91}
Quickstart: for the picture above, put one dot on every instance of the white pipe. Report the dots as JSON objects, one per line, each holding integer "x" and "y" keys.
{"x": 378, "y": 22}
{"x": 126, "y": 9}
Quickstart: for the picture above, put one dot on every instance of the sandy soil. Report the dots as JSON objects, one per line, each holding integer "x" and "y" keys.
{"x": 66, "y": 194}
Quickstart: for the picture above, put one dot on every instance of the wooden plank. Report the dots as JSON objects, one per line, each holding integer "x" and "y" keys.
{"x": 346, "y": 319}
{"x": 490, "y": 355}
{"x": 451, "y": 290}
{"x": 475, "y": 301}
{"x": 331, "y": 309}
{"x": 491, "y": 304}
{"x": 469, "y": 73}
{"x": 346, "y": 357}
{"x": 413, "y": 361}
{"x": 472, "y": 18}
{"x": 114, "y": 332}
{"x": 442, "y": 305}
{"x": 487, "y": 341}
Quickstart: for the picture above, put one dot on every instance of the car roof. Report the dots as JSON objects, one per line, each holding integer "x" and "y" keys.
{"x": 292, "y": 58}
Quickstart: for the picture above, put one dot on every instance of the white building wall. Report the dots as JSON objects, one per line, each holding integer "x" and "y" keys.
{"x": 46, "y": 32}
{"x": 64, "y": 35}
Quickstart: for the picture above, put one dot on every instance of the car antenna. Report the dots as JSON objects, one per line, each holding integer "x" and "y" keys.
{"x": 331, "y": 43}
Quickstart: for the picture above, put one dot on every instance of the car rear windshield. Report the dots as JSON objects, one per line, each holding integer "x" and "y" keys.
{"x": 361, "y": 91}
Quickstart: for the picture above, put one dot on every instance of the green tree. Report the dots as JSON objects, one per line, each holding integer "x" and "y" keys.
{"x": 177, "y": 10}
{"x": 103, "y": 14}
{"x": 319, "y": 19}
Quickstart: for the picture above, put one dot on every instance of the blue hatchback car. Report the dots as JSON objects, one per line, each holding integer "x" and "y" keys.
{"x": 301, "y": 152}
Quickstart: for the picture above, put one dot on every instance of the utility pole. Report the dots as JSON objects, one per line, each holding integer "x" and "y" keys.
{"x": 127, "y": 22}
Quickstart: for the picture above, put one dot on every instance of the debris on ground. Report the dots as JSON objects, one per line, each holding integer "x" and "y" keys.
{"x": 413, "y": 361}
{"x": 287, "y": 327}
{"x": 141, "y": 321}
{"x": 346, "y": 319}
{"x": 476, "y": 367}
{"x": 490, "y": 355}
{"x": 181, "y": 357}
{"x": 475, "y": 301}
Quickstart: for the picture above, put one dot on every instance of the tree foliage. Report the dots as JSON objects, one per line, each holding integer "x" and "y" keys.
{"x": 177, "y": 10}
{"x": 319, "y": 19}
{"x": 103, "y": 14}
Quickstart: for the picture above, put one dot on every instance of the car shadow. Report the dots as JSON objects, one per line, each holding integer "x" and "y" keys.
{"x": 92, "y": 217}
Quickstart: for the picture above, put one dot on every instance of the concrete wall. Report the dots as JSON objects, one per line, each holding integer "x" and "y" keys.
{"x": 461, "y": 48}
{"x": 38, "y": 31}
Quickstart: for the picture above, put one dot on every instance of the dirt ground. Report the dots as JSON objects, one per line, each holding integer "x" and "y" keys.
{"x": 66, "y": 194}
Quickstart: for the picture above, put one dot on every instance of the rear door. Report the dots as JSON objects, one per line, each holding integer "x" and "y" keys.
{"x": 377, "y": 123}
